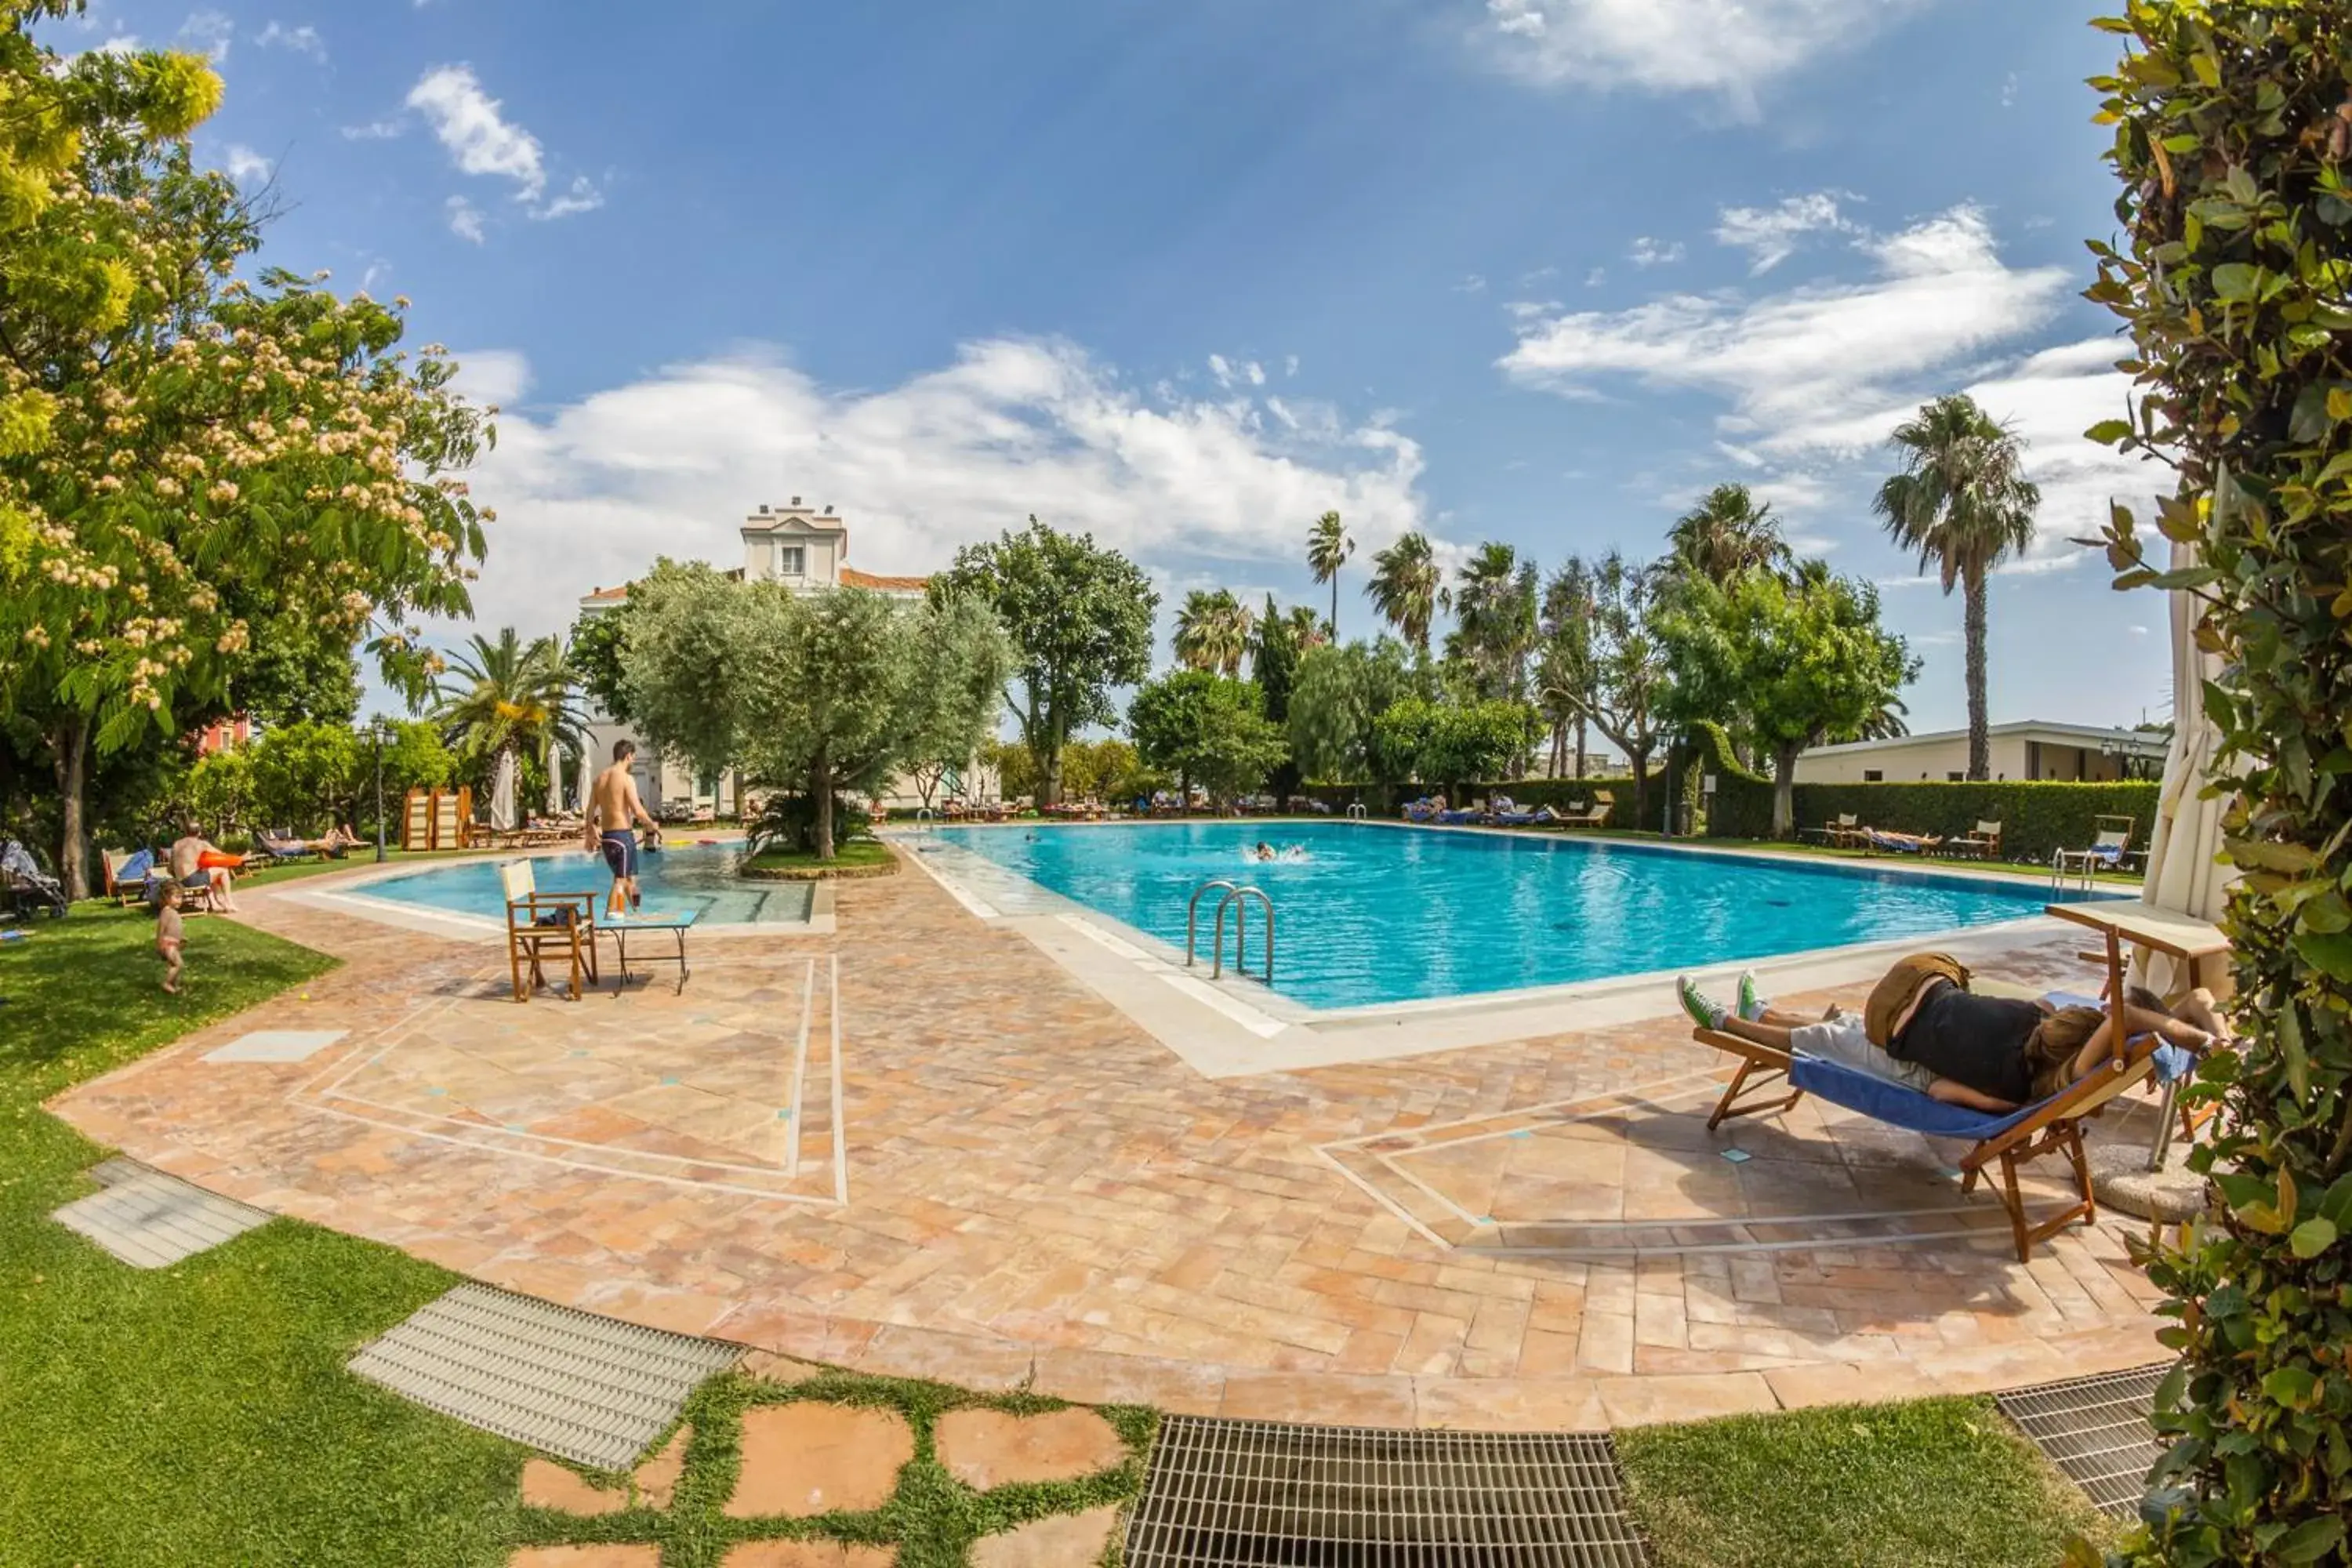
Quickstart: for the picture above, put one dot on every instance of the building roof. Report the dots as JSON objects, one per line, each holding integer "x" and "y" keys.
{"x": 604, "y": 595}
{"x": 851, "y": 577}
{"x": 2138, "y": 742}
{"x": 793, "y": 518}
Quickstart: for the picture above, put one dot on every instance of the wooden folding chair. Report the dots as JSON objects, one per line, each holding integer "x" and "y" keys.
{"x": 572, "y": 935}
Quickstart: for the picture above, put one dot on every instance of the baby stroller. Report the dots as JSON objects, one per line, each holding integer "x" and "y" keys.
{"x": 27, "y": 889}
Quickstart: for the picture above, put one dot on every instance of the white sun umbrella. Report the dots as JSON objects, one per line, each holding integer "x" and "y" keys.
{"x": 554, "y": 779}
{"x": 2183, "y": 871}
{"x": 502, "y": 793}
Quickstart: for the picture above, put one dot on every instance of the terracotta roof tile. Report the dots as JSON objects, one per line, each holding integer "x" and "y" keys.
{"x": 851, "y": 577}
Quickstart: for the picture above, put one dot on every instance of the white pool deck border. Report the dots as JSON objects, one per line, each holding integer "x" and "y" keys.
{"x": 1234, "y": 1027}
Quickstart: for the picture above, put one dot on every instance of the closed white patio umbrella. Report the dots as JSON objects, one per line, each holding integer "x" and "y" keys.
{"x": 502, "y": 793}
{"x": 2183, "y": 873}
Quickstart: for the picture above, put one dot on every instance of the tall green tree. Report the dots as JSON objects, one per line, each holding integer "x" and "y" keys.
{"x": 1206, "y": 728}
{"x": 2233, "y": 146}
{"x": 1963, "y": 502}
{"x": 1564, "y": 673}
{"x": 1327, "y": 549}
{"x": 1080, "y": 618}
{"x": 1337, "y": 697}
{"x": 1212, "y": 631}
{"x": 1408, "y": 588}
{"x": 1626, "y": 693}
{"x": 1495, "y": 622}
{"x": 209, "y": 443}
{"x": 1802, "y": 663}
{"x": 1728, "y": 533}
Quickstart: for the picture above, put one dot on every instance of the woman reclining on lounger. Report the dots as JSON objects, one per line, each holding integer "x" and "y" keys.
{"x": 1923, "y": 1029}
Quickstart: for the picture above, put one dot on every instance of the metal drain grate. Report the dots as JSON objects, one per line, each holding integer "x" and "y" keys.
{"x": 2096, "y": 1430}
{"x": 570, "y": 1383}
{"x": 150, "y": 1220}
{"x": 1237, "y": 1494}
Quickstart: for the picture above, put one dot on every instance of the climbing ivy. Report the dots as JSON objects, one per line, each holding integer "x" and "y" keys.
{"x": 2233, "y": 129}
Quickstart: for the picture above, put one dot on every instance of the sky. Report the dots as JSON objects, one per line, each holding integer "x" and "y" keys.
{"x": 1187, "y": 274}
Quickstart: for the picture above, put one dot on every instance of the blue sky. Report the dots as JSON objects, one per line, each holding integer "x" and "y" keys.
{"x": 1186, "y": 274}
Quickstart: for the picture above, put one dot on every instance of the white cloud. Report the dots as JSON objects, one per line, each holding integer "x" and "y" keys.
{"x": 1255, "y": 372}
{"x": 1727, "y": 48}
{"x": 1471, "y": 283}
{"x": 1812, "y": 379}
{"x": 373, "y": 131}
{"x": 302, "y": 40}
{"x": 1647, "y": 252}
{"x": 1596, "y": 278}
{"x": 583, "y": 198}
{"x": 244, "y": 165}
{"x": 120, "y": 44}
{"x": 1290, "y": 365}
{"x": 1770, "y": 235}
{"x": 1222, "y": 368}
{"x": 210, "y": 31}
{"x": 588, "y": 492}
{"x": 480, "y": 140}
{"x": 465, "y": 220}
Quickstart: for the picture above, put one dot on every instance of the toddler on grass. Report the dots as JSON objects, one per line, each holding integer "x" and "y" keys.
{"x": 168, "y": 936}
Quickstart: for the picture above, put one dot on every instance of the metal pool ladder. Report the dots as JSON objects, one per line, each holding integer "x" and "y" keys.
{"x": 1356, "y": 811}
{"x": 1236, "y": 898}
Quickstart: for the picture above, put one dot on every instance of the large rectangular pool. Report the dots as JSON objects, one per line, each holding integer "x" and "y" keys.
{"x": 1370, "y": 913}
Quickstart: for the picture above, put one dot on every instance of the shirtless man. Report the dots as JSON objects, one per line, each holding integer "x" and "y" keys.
{"x": 613, "y": 812}
{"x": 188, "y": 869}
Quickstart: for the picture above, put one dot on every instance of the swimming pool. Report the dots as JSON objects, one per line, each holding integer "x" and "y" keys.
{"x": 1378, "y": 914}
{"x": 699, "y": 876}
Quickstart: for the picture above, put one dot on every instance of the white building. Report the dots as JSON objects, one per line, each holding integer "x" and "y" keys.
{"x": 808, "y": 552}
{"x": 2030, "y": 750}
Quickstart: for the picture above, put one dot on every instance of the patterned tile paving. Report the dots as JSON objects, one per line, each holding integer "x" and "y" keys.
{"x": 993, "y": 1176}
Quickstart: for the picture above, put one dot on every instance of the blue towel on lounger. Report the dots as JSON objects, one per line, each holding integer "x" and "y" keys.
{"x": 1908, "y": 1108}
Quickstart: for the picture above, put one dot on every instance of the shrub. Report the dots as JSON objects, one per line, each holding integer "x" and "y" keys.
{"x": 302, "y": 775}
{"x": 2234, "y": 139}
{"x": 789, "y": 822}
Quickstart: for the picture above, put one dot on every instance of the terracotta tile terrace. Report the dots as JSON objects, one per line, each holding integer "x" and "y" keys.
{"x": 917, "y": 1145}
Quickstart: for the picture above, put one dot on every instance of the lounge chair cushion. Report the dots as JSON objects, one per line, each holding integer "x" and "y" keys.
{"x": 1916, "y": 1112}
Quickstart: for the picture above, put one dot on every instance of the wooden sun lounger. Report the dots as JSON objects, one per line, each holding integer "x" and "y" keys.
{"x": 2054, "y": 1126}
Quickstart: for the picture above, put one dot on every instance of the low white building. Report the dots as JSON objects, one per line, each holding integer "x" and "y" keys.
{"x": 807, "y": 550}
{"x": 2034, "y": 748}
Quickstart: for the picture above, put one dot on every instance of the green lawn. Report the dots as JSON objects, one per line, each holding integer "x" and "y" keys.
{"x": 1936, "y": 1483}
{"x": 858, "y": 853}
{"x": 199, "y": 1415}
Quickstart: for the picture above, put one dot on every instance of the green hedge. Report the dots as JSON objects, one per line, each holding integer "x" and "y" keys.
{"x": 1742, "y": 803}
{"x": 2035, "y": 817}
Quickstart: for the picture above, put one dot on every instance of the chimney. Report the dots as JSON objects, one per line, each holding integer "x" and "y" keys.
{"x": 763, "y": 509}
{"x": 828, "y": 509}
{"x": 796, "y": 503}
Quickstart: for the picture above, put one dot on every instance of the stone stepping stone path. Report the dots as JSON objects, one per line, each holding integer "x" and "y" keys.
{"x": 150, "y": 1220}
{"x": 586, "y": 1388}
{"x": 807, "y": 1457}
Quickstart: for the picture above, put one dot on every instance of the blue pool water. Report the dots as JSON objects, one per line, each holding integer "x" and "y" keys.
{"x": 699, "y": 877}
{"x": 1375, "y": 913}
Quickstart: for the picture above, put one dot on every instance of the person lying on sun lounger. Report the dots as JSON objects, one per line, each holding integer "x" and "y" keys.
{"x": 1901, "y": 843}
{"x": 1925, "y": 1030}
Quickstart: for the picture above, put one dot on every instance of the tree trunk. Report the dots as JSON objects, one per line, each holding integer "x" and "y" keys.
{"x": 1980, "y": 739}
{"x": 1579, "y": 747}
{"x": 821, "y": 786}
{"x": 1335, "y": 609}
{"x": 1784, "y": 792}
{"x": 1640, "y": 762}
{"x": 71, "y": 744}
{"x": 1049, "y": 777}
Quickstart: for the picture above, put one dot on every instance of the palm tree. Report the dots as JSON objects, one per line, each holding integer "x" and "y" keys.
{"x": 1963, "y": 502}
{"x": 507, "y": 697}
{"x": 1327, "y": 549}
{"x": 1212, "y": 631}
{"x": 1307, "y": 628}
{"x": 1408, "y": 588}
{"x": 1496, "y": 605}
{"x": 1564, "y": 667}
{"x": 1728, "y": 532}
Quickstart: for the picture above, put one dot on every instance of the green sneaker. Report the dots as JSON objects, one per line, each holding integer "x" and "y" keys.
{"x": 1751, "y": 1005}
{"x": 1703, "y": 1012}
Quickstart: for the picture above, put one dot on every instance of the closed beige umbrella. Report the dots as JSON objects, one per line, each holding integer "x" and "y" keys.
{"x": 2184, "y": 873}
{"x": 502, "y": 793}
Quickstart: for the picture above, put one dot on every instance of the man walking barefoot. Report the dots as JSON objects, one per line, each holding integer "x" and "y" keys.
{"x": 614, "y": 812}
